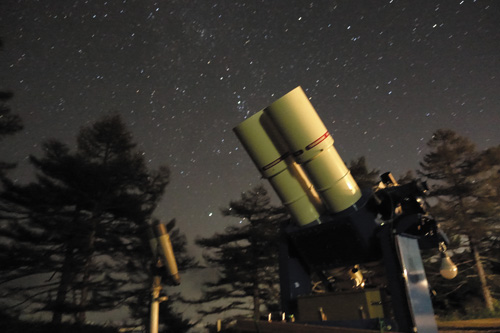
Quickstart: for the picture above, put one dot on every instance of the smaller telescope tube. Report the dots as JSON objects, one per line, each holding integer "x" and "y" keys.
{"x": 276, "y": 165}
{"x": 312, "y": 147}
{"x": 167, "y": 252}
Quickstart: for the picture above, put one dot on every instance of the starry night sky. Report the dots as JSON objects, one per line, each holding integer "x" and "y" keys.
{"x": 383, "y": 75}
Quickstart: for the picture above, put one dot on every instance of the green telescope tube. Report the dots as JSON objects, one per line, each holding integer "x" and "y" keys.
{"x": 312, "y": 147}
{"x": 270, "y": 155}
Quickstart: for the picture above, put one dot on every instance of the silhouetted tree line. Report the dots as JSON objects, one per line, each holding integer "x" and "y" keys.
{"x": 74, "y": 240}
{"x": 465, "y": 186}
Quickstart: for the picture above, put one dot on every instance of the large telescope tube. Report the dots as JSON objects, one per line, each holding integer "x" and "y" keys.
{"x": 312, "y": 147}
{"x": 272, "y": 158}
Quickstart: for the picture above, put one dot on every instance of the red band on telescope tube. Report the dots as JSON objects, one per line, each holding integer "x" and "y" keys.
{"x": 318, "y": 141}
{"x": 276, "y": 161}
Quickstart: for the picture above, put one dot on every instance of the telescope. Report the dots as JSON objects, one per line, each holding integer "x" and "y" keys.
{"x": 161, "y": 246}
{"x": 334, "y": 225}
{"x": 164, "y": 258}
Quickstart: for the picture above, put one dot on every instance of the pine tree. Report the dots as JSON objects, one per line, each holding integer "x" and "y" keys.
{"x": 461, "y": 183}
{"x": 246, "y": 256}
{"x": 363, "y": 177}
{"x": 81, "y": 223}
{"x": 9, "y": 125}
